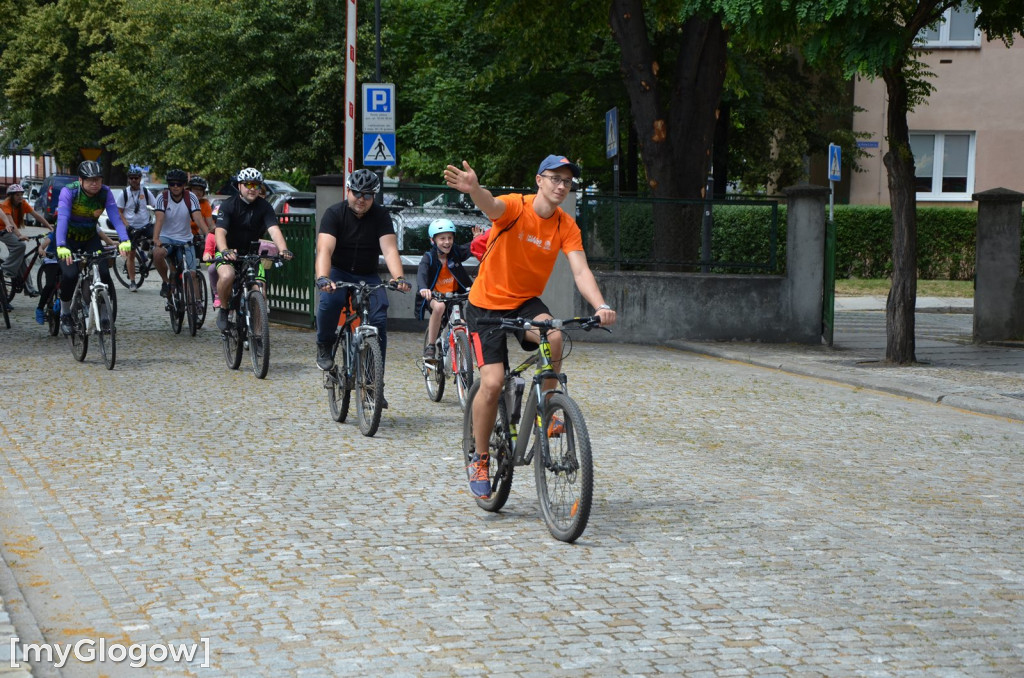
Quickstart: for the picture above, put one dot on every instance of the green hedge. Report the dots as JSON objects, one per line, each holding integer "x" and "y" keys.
{"x": 945, "y": 238}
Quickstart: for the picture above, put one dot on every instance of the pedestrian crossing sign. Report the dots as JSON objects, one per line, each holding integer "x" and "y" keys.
{"x": 379, "y": 149}
{"x": 835, "y": 165}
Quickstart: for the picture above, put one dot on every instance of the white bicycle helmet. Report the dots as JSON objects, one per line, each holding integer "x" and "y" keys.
{"x": 15, "y": 188}
{"x": 250, "y": 174}
{"x": 438, "y": 226}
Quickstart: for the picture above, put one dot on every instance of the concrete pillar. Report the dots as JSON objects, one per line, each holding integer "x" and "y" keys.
{"x": 805, "y": 260}
{"x": 998, "y": 289}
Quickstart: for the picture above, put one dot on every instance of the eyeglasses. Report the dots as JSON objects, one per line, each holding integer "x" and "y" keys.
{"x": 253, "y": 185}
{"x": 359, "y": 194}
{"x": 558, "y": 181}
{"x": 175, "y": 184}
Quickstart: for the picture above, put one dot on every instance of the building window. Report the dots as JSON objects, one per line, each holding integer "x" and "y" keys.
{"x": 956, "y": 29}
{"x": 944, "y": 165}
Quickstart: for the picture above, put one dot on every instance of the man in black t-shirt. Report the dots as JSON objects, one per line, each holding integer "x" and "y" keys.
{"x": 352, "y": 235}
{"x": 242, "y": 221}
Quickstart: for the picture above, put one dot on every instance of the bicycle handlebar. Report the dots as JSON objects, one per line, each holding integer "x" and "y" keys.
{"x": 449, "y": 297}
{"x": 585, "y": 323}
{"x": 88, "y": 257}
{"x": 391, "y": 285}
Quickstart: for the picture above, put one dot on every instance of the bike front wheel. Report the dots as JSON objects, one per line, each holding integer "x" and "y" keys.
{"x": 79, "y": 339}
{"x": 369, "y": 385}
{"x": 563, "y": 468}
{"x": 4, "y": 300}
{"x": 433, "y": 372}
{"x": 259, "y": 333}
{"x": 106, "y": 335}
{"x": 500, "y": 467}
{"x": 463, "y": 367}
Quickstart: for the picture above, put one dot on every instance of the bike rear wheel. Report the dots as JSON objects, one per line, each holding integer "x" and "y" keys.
{"x": 500, "y": 468}
{"x": 105, "y": 333}
{"x": 79, "y": 339}
{"x": 120, "y": 266}
{"x": 338, "y": 396}
{"x": 259, "y": 333}
{"x": 433, "y": 373}
{"x": 369, "y": 384}
{"x": 563, "y": 469}
{"x": 187, "y": 284}
{"x": 202, "y": 298}
{"x": 233, "y": 341}
{"x": 175, "y": 306}
{"x": 463, "y": 376}
{"x": 51, "y": 314}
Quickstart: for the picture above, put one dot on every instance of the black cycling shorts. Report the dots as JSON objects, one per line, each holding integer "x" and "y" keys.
{"x": 490, "y": 343}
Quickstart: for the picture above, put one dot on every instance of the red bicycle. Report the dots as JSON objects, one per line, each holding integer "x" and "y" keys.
{"x": 453, "y": 349}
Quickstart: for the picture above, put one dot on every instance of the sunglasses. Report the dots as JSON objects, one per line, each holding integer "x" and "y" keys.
{"x": 175, "y": 184}
{"x": 253, "y": 185}
{"x": 360, "y": 195}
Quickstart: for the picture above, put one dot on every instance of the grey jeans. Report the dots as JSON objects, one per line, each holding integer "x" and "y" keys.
{"x": 15, "y": 253}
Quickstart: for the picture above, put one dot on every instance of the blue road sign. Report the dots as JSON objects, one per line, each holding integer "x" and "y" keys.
{"x": 835, "y": 165}
{"x": 379, "y": 149}
{"x": 611, "y": 133}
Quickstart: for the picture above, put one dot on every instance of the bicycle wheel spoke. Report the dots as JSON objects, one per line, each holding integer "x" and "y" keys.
{"x": 563, "y": 469}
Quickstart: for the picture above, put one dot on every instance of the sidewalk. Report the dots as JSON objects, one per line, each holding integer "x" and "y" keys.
{"x": 952, "y": 370}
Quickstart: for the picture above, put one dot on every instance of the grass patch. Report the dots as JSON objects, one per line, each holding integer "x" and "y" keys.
{"x": 862, "y": 287}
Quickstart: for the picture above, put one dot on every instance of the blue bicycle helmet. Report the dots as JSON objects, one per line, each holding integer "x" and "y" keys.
{"x": 438, "y": 226}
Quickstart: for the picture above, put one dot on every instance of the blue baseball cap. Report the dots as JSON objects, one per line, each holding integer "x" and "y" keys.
{"x": 556, "y": 161}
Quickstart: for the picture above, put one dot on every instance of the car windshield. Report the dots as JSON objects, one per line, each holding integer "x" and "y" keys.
{"x": 278, "y": 186}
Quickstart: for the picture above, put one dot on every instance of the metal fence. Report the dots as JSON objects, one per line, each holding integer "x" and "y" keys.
{"x": 291, "y": 288}
{"x": 735, "y": 235}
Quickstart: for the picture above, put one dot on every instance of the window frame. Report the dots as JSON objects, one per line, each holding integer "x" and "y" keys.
{"x": 943, "y": 41}
{"x": 938, "y": 150}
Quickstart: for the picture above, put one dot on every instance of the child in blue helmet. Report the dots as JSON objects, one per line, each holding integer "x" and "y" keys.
{"x": 440, "y": 270}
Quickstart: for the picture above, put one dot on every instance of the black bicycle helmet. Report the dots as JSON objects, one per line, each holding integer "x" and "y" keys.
{"x": 89, "y": 169}
{"x": 363, "y": 181}
{"x": 197, "y": 180}
{"x": 177, "y": 175}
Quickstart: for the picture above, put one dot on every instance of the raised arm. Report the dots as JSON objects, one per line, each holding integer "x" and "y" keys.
{"x": 465, "y": 181}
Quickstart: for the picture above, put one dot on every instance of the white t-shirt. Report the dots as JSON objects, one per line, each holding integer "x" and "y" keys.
{"x": 178, "y": 216}
{"x": 134, "y": 205}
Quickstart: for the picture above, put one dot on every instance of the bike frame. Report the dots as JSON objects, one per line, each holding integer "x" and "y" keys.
{"x": 533, "y": 408}
{"x": 91, "y": 284}
{"x": 350, "y": 338}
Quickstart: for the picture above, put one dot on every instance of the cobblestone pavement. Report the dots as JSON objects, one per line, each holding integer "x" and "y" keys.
{"x": 746, "y": 521}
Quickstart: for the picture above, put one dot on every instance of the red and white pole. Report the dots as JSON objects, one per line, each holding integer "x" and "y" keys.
{"x": 350, "y": 90}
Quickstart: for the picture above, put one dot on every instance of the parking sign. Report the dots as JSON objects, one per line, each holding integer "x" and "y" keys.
{"x": 378, "y": 107}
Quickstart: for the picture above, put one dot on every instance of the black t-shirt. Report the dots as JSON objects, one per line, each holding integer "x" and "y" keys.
{"x": 357, "y": 249}
{"x": 245, "y": 222}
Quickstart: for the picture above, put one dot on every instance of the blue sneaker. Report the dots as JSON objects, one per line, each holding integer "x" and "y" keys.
{"x": 40, "y": 316}
{"x": 479, "y": 479}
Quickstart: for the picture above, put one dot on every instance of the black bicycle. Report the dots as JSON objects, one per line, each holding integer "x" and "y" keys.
{"x": 249, "y": 316}
{"x": 142, "y": 253}
{"x": 92, "y": 312}
{"x": 563, "y": 467}
{"x": 357, "y": 345}
{"x": 453, "y": 351}
{"x": 186, "y": 293}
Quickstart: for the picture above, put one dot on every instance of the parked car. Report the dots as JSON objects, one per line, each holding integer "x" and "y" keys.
{"x": 274, "y": 187}
{"x": 295, "y": 204}
{"x": 411, "y": 228}
{"x": 49, "y": 194}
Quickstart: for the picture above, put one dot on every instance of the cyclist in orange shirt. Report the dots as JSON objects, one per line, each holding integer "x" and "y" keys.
{"x": 522, "y": 246}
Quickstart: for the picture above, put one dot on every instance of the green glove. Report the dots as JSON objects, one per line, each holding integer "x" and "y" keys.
{"x": 125, "y": 246}
{"x": 63, "y": 253}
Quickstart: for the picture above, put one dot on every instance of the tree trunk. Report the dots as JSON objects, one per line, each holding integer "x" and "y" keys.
{"x": 899, "y": 162}
{"x": 675, "y": 120}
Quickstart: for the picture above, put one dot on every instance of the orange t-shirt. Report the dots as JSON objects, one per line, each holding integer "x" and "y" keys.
{"x": 445, "y": 280}
{"x": 206, "y": 209}
{"x": 520, "y": 258}
{"x": 9, "y": 209}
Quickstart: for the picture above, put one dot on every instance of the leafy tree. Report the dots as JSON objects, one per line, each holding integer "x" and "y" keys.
{"x": 44, "y": 100}
{"x": 876, "y": 38}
